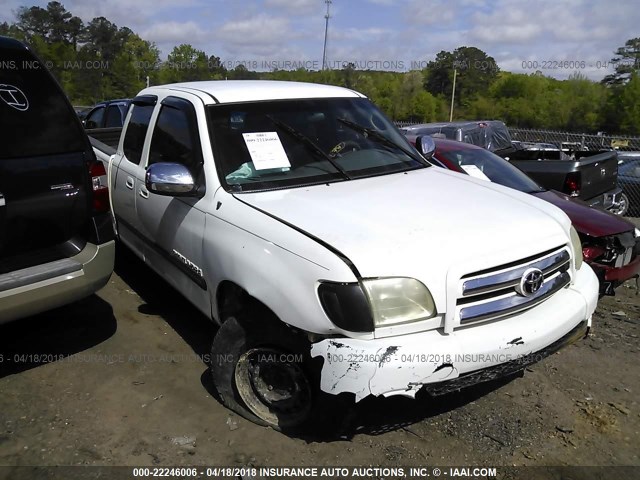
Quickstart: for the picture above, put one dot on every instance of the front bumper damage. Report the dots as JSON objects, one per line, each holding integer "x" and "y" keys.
{"x": 619, "y": 262}
{"x": 611, "y": 277}
{"x": 438, "y": 362}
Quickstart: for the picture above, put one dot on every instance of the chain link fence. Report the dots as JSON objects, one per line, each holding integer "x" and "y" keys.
{"x": 628, "y": 155}
{"x": 576, "y": 141}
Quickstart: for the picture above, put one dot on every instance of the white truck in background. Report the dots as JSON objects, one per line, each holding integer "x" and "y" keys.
{"x": 332, "y": 256}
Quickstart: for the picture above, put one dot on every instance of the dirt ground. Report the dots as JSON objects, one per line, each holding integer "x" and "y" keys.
{"x": 118, "y": 379}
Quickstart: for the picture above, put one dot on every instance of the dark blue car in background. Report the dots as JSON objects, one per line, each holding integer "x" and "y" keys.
{"x": 107, "y": 114}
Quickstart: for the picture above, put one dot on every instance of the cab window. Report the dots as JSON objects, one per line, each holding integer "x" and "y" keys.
{"x": 136, "y": 132}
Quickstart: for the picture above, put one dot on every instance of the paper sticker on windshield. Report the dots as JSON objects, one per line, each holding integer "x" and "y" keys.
{"x": 474, "y": 171}
{"x": 266, "y": 150}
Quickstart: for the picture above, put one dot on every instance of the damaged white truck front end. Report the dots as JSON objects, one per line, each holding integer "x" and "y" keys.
{"x": 442, "y": 363}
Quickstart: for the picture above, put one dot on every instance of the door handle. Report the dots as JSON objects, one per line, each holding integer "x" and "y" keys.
{"x": 144, "y": 193}
{"x": 129, "y": 183}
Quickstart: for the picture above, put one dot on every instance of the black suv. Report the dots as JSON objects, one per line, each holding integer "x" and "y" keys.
{"x": 56, "y": 234}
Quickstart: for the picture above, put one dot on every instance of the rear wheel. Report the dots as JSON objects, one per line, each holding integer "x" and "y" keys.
{"x": 622, "y": 207}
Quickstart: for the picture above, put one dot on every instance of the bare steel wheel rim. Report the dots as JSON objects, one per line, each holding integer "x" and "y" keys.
{"x": 622, "y": 205}
{"x": 274, "y": 386}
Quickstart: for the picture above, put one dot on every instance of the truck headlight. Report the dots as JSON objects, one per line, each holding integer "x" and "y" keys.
{"x": 398, "y": 300}
{"x": 346, "y": 305}
{"x": 636, "y": 232}
{"x": 577, "y": 247}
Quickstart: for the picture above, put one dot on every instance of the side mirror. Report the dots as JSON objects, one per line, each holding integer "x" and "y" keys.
{"x": 90, "y": 124}
{"x": 172, "y": 179}
{"x": 426, "y": 146}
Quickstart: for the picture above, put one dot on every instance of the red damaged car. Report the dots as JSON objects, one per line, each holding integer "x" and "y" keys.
{"x": 610, "y": 244}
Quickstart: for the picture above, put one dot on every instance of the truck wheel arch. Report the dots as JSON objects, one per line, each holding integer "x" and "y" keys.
{"x": 231, "y": 299}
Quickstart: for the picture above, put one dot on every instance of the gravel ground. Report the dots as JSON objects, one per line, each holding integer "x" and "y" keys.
{"x": 119, "y": 379}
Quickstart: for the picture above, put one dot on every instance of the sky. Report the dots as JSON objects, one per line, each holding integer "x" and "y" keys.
{"x": 557, "y": 37}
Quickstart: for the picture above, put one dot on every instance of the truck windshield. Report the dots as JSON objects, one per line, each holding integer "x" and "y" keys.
{"x": 481, "y": 163}
{"x": 288, "y": 143}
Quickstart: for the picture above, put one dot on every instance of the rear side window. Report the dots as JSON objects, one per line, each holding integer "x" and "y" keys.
{"x": 114, "y": 117}
{"x": 34, "y": 112}
{"x": 94, "y": 119}
{"x": 136, "y": 132}
{"x": 175, "y": 138}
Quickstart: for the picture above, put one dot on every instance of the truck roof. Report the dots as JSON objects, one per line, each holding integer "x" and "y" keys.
{"x": 232, "y": 91}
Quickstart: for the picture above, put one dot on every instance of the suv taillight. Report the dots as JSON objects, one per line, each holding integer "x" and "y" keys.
{"x": 572, "y": 184}
{"x": 100, "y": 187}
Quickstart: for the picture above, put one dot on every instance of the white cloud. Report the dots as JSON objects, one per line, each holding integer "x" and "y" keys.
{"x": 175, "y": 33}
{"x": 124, "y": 12}
{"x": 135, "y": 14}
{"x": 386, "y": 3}
{"x": 296, "y": 7}
{"x": 262, "y": 34}
{"x": 434, "y": 12}
{"x": 360, "y": 34}
{"x": 505, "y": 34}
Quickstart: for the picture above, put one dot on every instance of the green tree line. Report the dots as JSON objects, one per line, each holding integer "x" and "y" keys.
{"x": 99, "y": 60}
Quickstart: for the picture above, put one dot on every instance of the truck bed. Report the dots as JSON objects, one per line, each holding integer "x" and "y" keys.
{"x": 597, "y": 171}
{"x": 105, "y": 137}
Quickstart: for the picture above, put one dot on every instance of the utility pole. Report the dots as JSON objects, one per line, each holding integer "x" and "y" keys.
{"x": 326, "y": 32}
{"x": 453, "y": 94}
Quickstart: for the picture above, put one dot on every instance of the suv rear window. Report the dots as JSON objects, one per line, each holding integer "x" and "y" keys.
{"x": 34, "y": 112}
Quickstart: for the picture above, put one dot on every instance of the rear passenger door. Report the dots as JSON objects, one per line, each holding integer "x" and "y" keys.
{"x": 173, "y": 227}
{"x": 128, "y": 170}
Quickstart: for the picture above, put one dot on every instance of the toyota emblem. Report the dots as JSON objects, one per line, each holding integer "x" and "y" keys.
{"x": 531, "y": 281}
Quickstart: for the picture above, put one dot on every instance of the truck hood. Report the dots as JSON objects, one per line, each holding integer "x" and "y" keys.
{"x": 419, "y": 223}
{"x": 590, "y": 221}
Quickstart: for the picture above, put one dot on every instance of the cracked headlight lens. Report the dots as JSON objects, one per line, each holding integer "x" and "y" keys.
{"x": 398, "y": 300}
{"x": 577, "y": 247}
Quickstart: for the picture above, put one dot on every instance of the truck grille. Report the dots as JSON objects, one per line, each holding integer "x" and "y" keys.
{"x": 501, "y": 291}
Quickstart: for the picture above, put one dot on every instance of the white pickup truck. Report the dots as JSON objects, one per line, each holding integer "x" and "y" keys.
{"x": 332, "y": 255}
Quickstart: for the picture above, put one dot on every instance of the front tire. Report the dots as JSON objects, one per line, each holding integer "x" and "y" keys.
{"x": 261, "y": 370}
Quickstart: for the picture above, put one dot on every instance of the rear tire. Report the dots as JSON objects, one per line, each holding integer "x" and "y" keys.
{"x": 623, "y": 206}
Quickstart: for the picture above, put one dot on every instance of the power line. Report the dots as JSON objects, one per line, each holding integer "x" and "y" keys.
{"x": 326, "y": 32}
